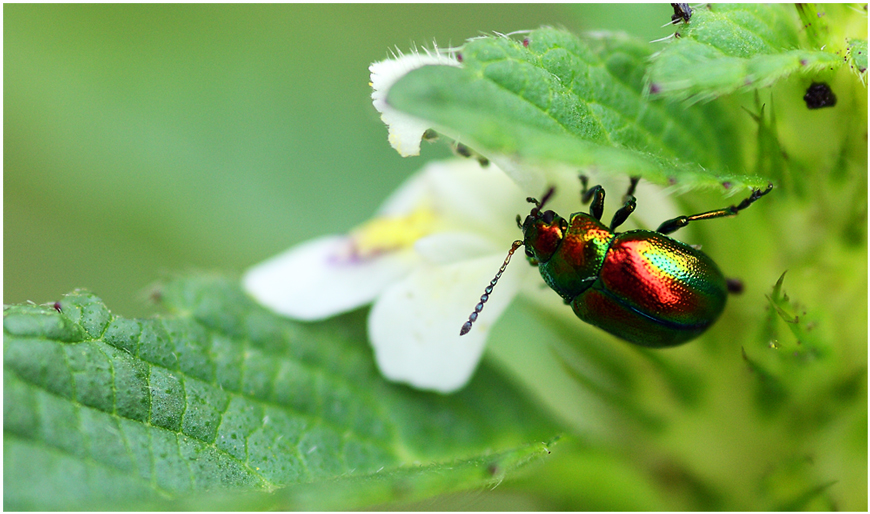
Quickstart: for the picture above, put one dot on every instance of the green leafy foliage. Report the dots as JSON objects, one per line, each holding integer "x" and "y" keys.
{"x": 728, "y": 48}
{"x": 746, "y": 417}
{"x": 108, "y": 412}
{"x": 553, "y": 97}
{"x": 806, "y": 381}
{"x": 858, "y": 55}
{"x": 222, "y": 405}
{"x": 387, "y": 488}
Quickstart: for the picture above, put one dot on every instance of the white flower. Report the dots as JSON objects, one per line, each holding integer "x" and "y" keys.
{"x": 424, "y": 259}
{"x": 427, "y": 255}
{"x": 406, "y": 131}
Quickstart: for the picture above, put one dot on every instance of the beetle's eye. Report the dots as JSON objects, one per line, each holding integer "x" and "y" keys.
{"x": 529, "y": 253}
{"x": 548, "y": 216}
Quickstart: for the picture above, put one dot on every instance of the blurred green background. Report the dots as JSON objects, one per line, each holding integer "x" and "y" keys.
{"x": 145, "y": 139}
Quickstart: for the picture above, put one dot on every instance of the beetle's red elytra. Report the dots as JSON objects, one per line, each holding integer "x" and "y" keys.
{"x": 641, "y": 286}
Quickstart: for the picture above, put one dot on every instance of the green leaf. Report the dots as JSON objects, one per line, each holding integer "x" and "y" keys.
{"x": 387, "y": 487}
{"x": 808, "y": 343}
{"x": 222, "y": 395}
{"x": 555, "y": 98}
{"x": 729, "y": 48}
{"x": 858, "y": 55}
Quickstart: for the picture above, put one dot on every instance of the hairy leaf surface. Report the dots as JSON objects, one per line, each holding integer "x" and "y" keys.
{"x": 221, "y": 395}
{"x": 554, "y": 97}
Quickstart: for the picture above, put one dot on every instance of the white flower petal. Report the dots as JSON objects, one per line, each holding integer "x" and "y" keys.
{"x": 478, "y": 199}
{"x": 414, "y": 325}
{"x": 413, "y": 192}
{"x": 319, "y": 279}
{"x": 406, "y": 131}
{"x": 449, "y": 247}
{"x": 466, "y": 196}
{"x": 530, "y": 178}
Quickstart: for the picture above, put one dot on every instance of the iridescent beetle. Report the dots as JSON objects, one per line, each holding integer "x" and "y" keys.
{"x": 641, "y": 286}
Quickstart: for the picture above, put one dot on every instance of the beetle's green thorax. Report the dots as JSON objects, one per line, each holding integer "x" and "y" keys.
{"x": 569, "y": 254}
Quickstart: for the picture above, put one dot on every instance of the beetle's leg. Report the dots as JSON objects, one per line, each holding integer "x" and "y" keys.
{"x": 622, "y": 214}
{"x": 630, "y": 202}
{"x": 596, "y": 195}
{"x": 584, "y": 182}
{"x": 540, "y": 204}
{"x": 631, "y": 186}
{"x": 681, "y": 221}
{"x": 734, "y": 285}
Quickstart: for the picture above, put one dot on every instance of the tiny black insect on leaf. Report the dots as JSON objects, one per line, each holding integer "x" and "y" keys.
{"x": 681, "y": 12}
{"x": 819, "y": 95}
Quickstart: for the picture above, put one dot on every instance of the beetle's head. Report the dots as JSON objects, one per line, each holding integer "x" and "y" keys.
{"x": 542, "y": 230}
{"x": 542, "y": 233}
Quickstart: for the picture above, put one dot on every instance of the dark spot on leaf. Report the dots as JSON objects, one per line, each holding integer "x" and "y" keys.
{"x": 156, "y": 295}
{"x": 402, "y": 488}
{"x": 463, "y": 150}
{"x": 819, "y": 95}
{"x": 734, "y": 285}
{"x": 654, "y": 88}
{"x": 726, "y": 185}
{"x": 57, "y": 307}
{"x": 526, "y": 42}
{"x": 459, "y": 56}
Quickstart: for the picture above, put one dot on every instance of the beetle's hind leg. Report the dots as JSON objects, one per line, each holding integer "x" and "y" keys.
{"x": 734, "y": 285}
{"x": 681, "y": 221}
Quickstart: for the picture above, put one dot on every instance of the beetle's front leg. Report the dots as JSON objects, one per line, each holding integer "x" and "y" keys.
{"x": 594, "y": 195}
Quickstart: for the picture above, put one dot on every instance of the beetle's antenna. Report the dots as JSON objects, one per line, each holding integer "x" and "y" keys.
{"x": 486, "y": 292}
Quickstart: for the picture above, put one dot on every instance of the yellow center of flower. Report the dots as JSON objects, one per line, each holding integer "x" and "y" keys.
{"x": 390, "y": 233}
